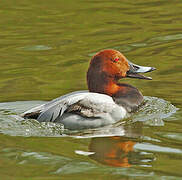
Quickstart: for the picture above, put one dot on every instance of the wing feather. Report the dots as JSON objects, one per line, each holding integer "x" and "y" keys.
{"x": 50, "y": 114}
{"x": 83, "y": 103}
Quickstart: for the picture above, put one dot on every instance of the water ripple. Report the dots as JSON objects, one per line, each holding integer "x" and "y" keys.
{"x": 154, "y": 111}
{"x": 36, "y": 48}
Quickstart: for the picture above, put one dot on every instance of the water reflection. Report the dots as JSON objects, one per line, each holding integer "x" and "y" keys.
{"x": 123, "y": 145}
{"x": 113, "y": 151}
{"x": 36, "y": 48}
{"x": 119, "y": 151}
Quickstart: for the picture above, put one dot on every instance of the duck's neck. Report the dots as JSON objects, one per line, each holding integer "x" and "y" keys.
{"x": 123, "y": 94}
{"x": 102, "y": 83}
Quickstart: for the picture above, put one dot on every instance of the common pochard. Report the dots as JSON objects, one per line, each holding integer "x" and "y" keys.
{"x": 107, "y": 100}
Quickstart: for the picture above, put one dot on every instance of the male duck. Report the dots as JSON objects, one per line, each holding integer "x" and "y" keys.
{"x": 107, "y": 101}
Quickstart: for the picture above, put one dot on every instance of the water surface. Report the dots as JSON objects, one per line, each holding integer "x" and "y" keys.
{"x": 45, "y": 50}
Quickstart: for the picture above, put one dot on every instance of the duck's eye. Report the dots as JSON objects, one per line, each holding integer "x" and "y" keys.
{"x": 116, "y": 59}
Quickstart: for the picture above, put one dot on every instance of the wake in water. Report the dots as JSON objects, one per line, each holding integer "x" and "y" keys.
{"x": 152, "y": 113}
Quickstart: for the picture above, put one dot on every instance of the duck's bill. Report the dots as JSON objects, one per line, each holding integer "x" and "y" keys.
{"x": 135, "y": 69}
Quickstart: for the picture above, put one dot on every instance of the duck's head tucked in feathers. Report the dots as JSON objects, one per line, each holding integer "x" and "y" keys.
{"x": 106, "y": 68}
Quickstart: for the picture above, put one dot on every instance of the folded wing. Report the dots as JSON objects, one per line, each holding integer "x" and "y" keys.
{"x": 84, "y": 103}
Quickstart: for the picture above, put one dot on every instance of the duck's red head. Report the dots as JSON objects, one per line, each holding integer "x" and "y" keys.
{"x": 107, "y": 67}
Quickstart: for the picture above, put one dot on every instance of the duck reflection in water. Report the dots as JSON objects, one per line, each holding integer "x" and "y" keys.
{"x": 112, "y": 151}
{"x": 118, "y": 151}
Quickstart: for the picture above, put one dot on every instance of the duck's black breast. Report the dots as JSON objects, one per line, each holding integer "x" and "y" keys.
{"x": 129, "y": 97}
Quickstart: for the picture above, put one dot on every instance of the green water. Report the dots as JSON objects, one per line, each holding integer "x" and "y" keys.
{"x": 45, "y": 48}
